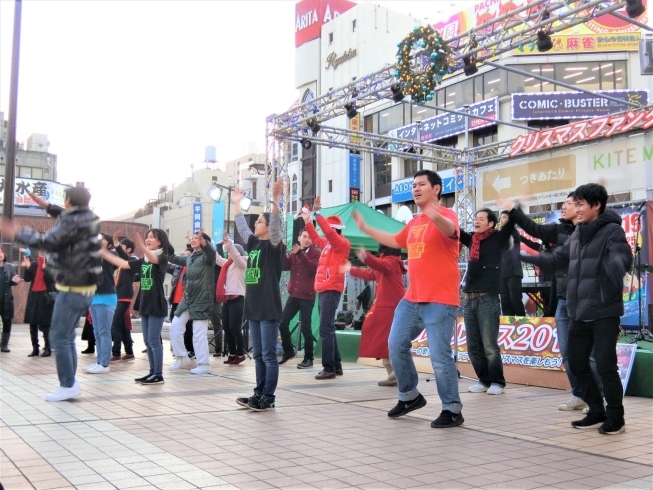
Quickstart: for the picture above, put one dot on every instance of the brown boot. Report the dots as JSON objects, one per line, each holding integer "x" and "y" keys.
{"x": 4, "y": 344}
{"x": 392, "y": 379}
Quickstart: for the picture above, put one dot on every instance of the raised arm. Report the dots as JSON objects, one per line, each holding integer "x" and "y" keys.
{"x": 383, "y": 237}
{"x": 363, "y": 273}
{"x": 376, "y": 263}
{"x": 558, "y": 258}
{"x": 547, "y": 232}
{"x": 442, "y": 223}
{"x": 114, "y": 259}
{"x": 275, "y": 220}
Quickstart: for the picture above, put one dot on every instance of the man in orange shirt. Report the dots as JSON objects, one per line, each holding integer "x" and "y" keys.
{"x": 431, "y": 239}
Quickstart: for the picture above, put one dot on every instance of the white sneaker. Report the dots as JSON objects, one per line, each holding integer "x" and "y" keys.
{"x": 96, "y": 369}
{"x": 495, "y": 389}
{"x": 180, "y": 363}
{"x": 201, "y": 369}
{"x": 574, "y": 403}
{"x": 586, "y": 410}
{"x": 61, "y": 393}
{"x": 477, "y": 388}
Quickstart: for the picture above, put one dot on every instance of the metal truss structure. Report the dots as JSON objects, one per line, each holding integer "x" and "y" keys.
{"x": 516, "y": 28}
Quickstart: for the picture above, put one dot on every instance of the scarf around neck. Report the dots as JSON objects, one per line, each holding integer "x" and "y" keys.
{"x": 156, "y": 252}
{"x": 477, "y": 238}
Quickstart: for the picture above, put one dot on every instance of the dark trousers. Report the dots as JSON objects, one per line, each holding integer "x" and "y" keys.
{"x": 600, "y": 335}
{"x": 305, "y": 309}
{"x": 327, "y": 303}
{"x": 482, "y": 327}
{"x": 6, "y": 325}
{"x": 232, "y": 323}
{"x": 34, "y": 335}
{"x": 511, "y": 297}
{"x": 120, "y": 334}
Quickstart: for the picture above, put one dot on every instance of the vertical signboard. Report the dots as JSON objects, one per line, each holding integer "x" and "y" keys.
{"x": 197, "y": 217}
{"x": 218, "y": 222}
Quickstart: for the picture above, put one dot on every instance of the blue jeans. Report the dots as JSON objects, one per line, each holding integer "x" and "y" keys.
{"x": 440, "y": 321}
{"x": 102, "y": 316}
{"x": 68, "y": 308}
{"x": 264, "y": 335}
{"x": 482, "y": 327}
{"x": 327, "y": 303}
{"x": 562, "y": 327}
{"x": 152, "y": 326}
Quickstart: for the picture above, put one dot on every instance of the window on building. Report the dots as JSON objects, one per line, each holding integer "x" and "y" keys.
{"x": 547, "y": 123}
{"x": 410, "y": 167}
{"x": 353, "y": 25}
{"x": 385, "y": 209}
{"x": 294, "y": 152}
{"x": 620, "y": 197}
{"x": 382, "y": 169}
{"x": 449, "y": 201}
{"x": 494, "y": 84}
{"x": 450, "y": 142}
{"x": 254, "y": 193}
{"x": 330, "y": 185}
{"x": 486, "y": 137}
{"x": 330, "y": 38}
{"x": 421, "y": 113}
{"x": 391, "y": 118}
{"x": 464, "y": 93}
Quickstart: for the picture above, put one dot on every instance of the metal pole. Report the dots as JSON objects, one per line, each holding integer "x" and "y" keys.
{"x": 10, "y": 167}
{"x": 632, "y": 21}
{"x": 228, "y": 209}
{"x": 419, "y": 138}
{"x": 558, "y": 82}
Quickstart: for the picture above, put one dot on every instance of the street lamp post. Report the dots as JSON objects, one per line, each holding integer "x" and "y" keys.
{"x": 215, "y": 194}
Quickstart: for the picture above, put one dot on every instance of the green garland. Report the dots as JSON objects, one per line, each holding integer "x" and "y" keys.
{"x": 421, "y": 86}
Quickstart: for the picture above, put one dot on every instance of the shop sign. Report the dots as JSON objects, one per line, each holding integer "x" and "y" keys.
{"x": 445, "y": 125}
{"x": 582, "y": 131}
{"x": 333, "y": 60}
{"x": 402, "y": 190}
{"x": 53, "y": 192}
{"x": 311, "y": 15}
{"x": 354, "y": 169}
{"x": 197, "y": 217}
{"x": 585, "y": 43}
{"x": 572, "y": 105}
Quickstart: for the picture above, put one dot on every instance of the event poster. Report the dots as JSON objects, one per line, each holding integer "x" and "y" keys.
{"x": 524, "y": 341}
{"x": 634, "y": 224}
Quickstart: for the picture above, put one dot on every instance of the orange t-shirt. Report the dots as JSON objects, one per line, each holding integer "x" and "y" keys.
{"x": 433, "y": 274}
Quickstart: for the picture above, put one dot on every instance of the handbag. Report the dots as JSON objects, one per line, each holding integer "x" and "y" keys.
{"x": 51, "y": 297}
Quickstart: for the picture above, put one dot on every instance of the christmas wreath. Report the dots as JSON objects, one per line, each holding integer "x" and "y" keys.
{"x": 421, "y": 86}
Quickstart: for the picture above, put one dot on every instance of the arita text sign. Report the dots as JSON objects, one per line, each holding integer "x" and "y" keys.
{"x": 573, "y": 105}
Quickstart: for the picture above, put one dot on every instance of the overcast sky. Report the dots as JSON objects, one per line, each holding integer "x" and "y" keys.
{"x": 130, "y": 92}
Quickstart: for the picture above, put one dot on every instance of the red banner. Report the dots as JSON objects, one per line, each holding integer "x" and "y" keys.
{"x": 311, "y": 15}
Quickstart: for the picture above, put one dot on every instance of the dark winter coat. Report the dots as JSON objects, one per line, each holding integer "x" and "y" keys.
{"x": 37, "y": 310}
{"x": 598, "y": 257}
{"x": 555, "y": 234}
{"x": 510, "y": 258}
{"x": 10, "y": 271}
{"x": 199, "y": 289}
{"x": 72, "y": 247}
{"x": 484, "y": 275}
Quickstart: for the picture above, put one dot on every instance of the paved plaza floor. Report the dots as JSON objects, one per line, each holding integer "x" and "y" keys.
{"x": 189, "y": 433}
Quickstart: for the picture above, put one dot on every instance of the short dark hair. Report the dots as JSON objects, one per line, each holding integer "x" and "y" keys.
{"x": 205, "y": 236}
{"x": 572, "y": 194}
{"x": 162, "y": 236}
{"x": 127, "y": 243}
{"x": 490, "y": 215}
{"x": 385, "y": 250}
{"x": 593, "y": 194}
{"x": 266, "y": 217}
{"x": 78, "y": 196}
{"x": 433, "y": 177}
{"x": 108, "y": 238}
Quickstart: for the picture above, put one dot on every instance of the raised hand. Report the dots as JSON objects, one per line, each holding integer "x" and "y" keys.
{"x": 38, "y": 200}
{"x": 317, "y": 204}
{"x": 16, "y": 279}
{"x": 236, "y": 195}
{"x": 306, "y": 214}
{"x": 8, "y": 229}
{"x": 344, "y": 268}
{"x": 26, "y": 262}
{"x": 358, "y": 219}
{"x": 432, "y": 210}
{"x": 139, "y": 242}
{"x": 116, "y": 237}
{"x": 361, "y": 254}
{"x": 277, "y": 190}
{"x": 506, "y": 204}
{"x": 295, "y": 248}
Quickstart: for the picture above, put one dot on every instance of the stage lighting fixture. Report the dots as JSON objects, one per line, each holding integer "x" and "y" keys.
{"x": 470, "y": 66}
{"x": 397, "y": 94}
{"x": 306, "y": 144}
{"x": 634, "y": 8}
{"x": 544, "y": 42}
{"x": 314, "y": 125}
{"x": 351, "y": 110}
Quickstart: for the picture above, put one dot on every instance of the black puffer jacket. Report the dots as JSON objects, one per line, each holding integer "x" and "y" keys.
{"x": 555, "y": 234}
{"x": 72, "y": 247}
{"x": 598, "y": 256}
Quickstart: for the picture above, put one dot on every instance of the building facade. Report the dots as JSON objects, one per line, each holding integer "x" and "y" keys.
{"x": 601, "y": 56}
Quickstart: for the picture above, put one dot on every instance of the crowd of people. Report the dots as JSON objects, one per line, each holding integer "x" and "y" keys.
{"x": 79, "y": 270}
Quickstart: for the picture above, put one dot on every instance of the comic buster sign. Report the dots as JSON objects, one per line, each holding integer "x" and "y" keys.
{"x": 524, "y": 341}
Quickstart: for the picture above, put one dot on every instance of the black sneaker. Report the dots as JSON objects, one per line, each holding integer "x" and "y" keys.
{"x": 261, "y": 404}
{"x": 155, "y": 379}
{"x": 611, "y": 427}
{"x": 590, "y": 421}
{"x": 402, "y": 408}
{"x": 244, "y": 401}
{"x": 286, "y": 357}
{"x": 138, "y": 380}
{"x": 339, "y": 372}
{"x": 305, "y": 364}
{"x": 448, "y": 419}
